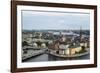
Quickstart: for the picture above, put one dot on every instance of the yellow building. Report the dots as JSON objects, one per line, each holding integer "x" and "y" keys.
{"x": 84, "y": 44}
{"x": 73, "y": 50}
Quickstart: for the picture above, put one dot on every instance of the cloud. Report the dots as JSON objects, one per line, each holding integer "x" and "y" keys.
{"x": 53, "y": 13}
{"x": 54, "y": 20}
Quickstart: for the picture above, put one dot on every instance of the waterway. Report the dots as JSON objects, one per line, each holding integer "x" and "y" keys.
{"x": 48, "y": 57}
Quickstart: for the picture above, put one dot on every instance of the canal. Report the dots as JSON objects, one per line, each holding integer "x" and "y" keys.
{"x": 48, "y": 57}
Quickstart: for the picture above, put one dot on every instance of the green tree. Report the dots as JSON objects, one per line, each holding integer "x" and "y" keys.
{"x": 24, "y": 43}
{"x": 39, "y": 43}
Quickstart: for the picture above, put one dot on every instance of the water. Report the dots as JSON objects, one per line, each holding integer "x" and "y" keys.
{"x": 48, "y": 57}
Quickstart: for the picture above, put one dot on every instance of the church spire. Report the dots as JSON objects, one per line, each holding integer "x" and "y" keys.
{"x": 80, "y": 33}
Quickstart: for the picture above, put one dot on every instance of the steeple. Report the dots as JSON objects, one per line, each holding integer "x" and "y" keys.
{"x": 80, "y": 33}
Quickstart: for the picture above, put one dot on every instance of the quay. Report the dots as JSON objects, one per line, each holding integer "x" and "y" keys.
{"x": 32, "y": 53}
{"x": 69, "y": 56}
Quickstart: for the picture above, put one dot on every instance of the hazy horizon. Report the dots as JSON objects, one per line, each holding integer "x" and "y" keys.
{"x": 41, "y": 20}
{"x": 54, "y": 29}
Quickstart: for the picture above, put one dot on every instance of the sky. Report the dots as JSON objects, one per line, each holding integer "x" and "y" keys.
{"x": 45, "y": 20}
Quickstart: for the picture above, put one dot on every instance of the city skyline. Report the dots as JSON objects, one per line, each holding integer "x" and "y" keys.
{"x": 42, "y": 20}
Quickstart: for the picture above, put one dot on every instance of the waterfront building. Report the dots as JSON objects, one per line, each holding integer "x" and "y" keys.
{"x": 63, "y": 48}
{"x": 78, "y": 49}
{"x": 74, "y": 49}
{"x": 67, "y": 51}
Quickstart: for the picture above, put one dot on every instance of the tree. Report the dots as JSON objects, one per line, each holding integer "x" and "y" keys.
{"x": 39, "y": 43}
{"x": 83, "y": 49}
{"x": 24, "y": 43}
{"x": 47, "y": 43}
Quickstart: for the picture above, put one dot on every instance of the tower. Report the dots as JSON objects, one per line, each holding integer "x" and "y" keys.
{"x": 80, "y": 34}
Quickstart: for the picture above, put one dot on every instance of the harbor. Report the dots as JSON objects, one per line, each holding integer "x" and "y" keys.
{"x": 49, "y": 57}
{"x": 59, "y": 45}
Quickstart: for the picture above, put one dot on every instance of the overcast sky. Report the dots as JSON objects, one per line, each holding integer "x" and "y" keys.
{"x": 41, "y": 20}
